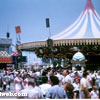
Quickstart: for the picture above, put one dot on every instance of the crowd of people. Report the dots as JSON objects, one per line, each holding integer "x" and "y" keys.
{"x": 52, "y": 83}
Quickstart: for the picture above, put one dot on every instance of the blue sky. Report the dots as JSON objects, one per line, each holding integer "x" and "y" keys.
{"x": 30, "y": 16}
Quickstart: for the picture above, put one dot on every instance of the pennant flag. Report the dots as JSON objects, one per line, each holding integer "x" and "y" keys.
{"x": 18, "y": 30}
{"x": 15, "y": 53}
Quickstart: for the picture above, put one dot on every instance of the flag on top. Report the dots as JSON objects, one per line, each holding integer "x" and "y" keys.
{"x": 18, "y": 30}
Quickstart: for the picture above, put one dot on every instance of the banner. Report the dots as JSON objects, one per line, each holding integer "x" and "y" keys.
{"x": 18, "y": 30}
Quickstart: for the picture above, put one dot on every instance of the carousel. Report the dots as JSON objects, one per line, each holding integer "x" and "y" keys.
{"x": 82, "y": 36}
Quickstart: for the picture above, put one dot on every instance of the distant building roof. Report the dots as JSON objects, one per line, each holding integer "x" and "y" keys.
{"x": 5, "y": 42}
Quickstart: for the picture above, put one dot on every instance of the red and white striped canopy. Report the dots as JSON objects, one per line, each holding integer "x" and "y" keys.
{"x": 86, "y": 26}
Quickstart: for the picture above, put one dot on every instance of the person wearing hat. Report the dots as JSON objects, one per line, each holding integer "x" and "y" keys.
{"x": 55, "y": 92}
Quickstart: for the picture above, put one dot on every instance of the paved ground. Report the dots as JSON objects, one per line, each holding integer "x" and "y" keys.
{"x": 7, "y": 91}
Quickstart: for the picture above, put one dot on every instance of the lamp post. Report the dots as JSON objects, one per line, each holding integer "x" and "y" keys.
{"x": 49, "y": 41}
{"x": 19, "y": 58}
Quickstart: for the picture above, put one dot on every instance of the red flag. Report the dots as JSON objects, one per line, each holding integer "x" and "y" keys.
{"x": 18, "y": 30}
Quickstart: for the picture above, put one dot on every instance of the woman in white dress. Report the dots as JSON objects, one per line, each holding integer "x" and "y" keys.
{"x": 18, "y": 83}
{"x": 26, "y": 81}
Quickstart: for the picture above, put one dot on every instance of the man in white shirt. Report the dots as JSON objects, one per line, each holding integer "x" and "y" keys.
{"x": 32, "y": 92}
{"x": 67, "y": 77}
{"x": 89, "y": 81}
{"x": 60, "y": 77}
{"x": 38, "y": 73}
{"x": 84, "y": 87}
{"x": 45, "y": 86}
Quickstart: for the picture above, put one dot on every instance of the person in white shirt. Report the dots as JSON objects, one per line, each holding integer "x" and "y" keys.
{"x": 66, "y": 77}
{"x": 60, "y": 77}
{"x": 45, "y": 85}
{"x": 4, "y": 84}
{"x": 64, "y": 73}
{"x": 90, "y": 83}
{"x": 84, "y": 87}
{"x": 7, "y": 79}
{"x": 26, "y": 80}
{"x": 18, "y": 83}
{"x": 68, "y": 87}
{"x": 39, "y": 91}
{"x": 31, "y": 91}
{"x": 38, "y": 73}
{"x": 94, "y": 93}
{"x": 76, "y": 90}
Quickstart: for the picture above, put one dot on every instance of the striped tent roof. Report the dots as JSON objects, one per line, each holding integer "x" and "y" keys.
{"x": 86, "y": 26}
